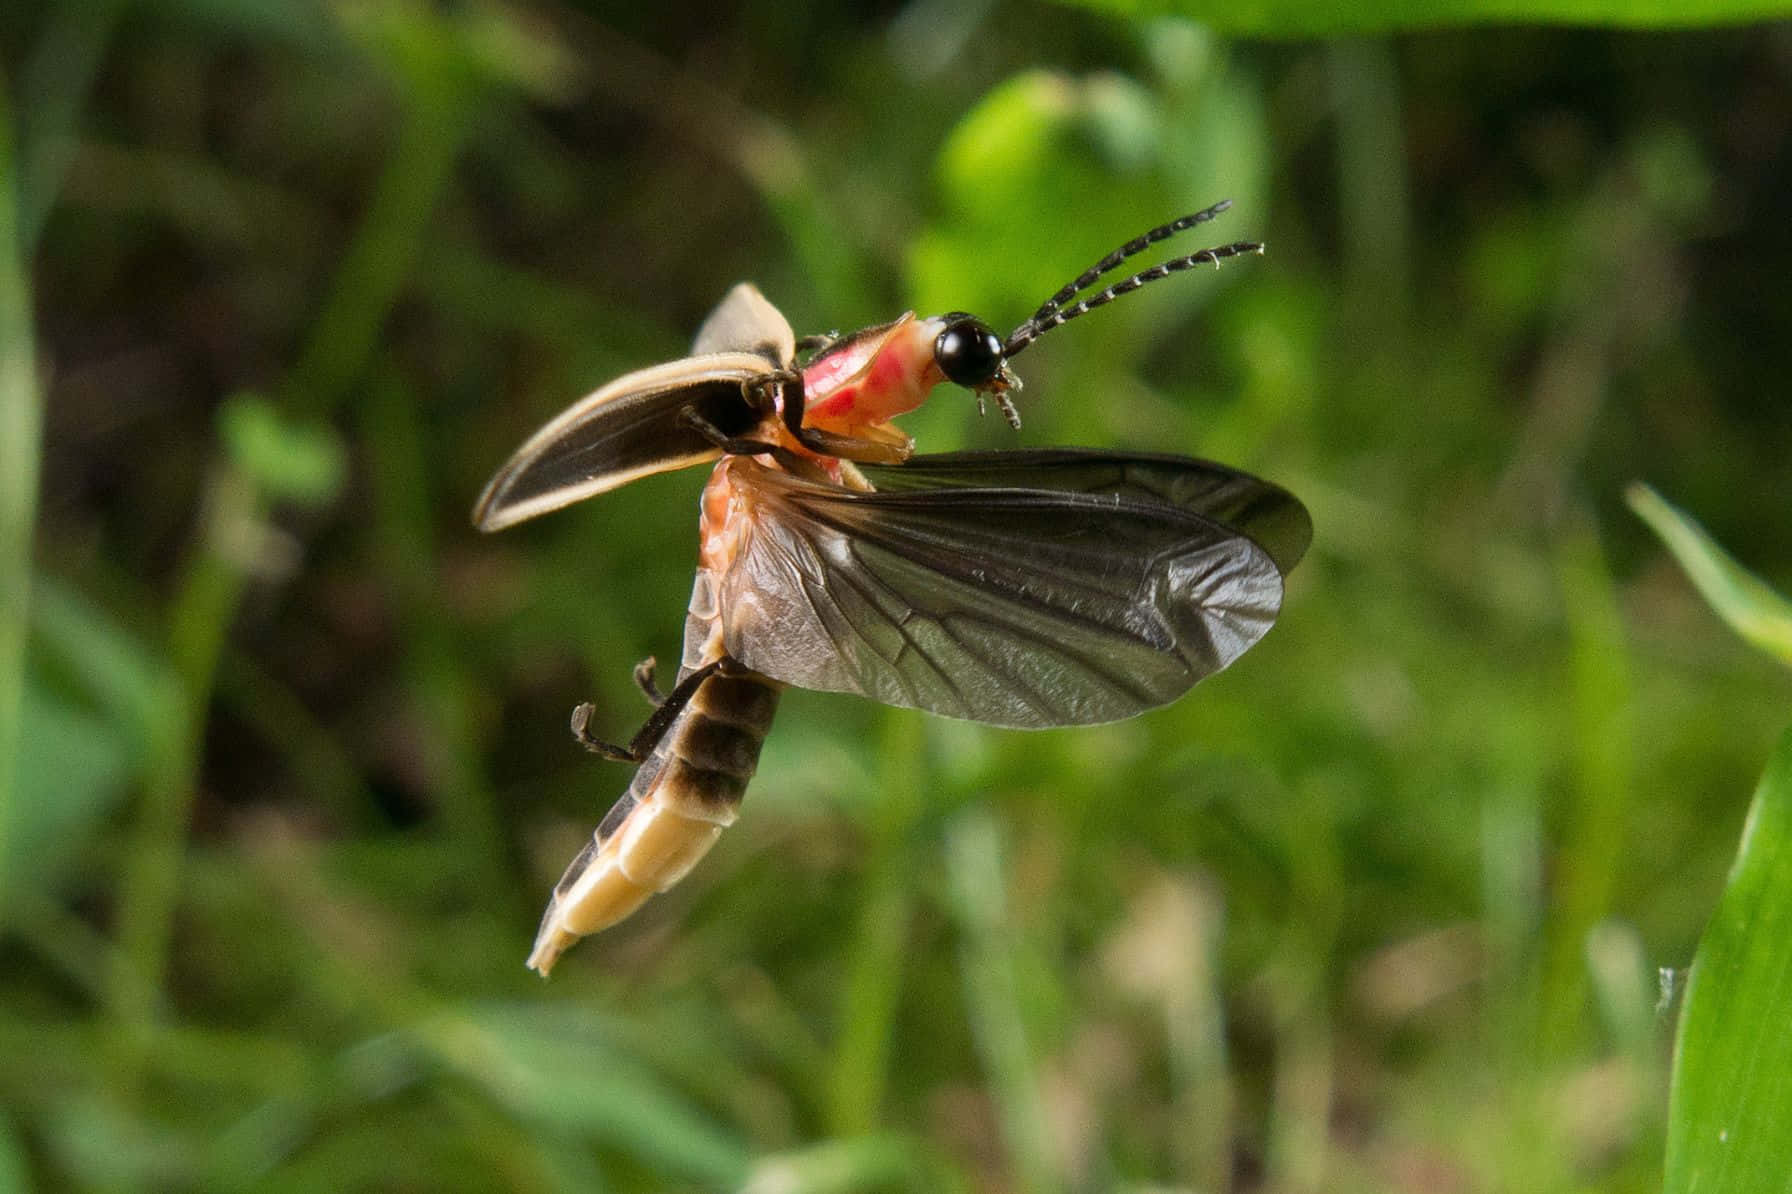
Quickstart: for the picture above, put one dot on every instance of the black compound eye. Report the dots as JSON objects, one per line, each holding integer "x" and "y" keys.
{"x": 968, "y": 352}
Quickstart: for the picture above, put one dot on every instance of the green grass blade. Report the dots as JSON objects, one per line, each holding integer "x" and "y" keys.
{"x": 861, "y": 1063}
{"x": 149, "y": 889}
{"x": 14, "y": 1169}
{"x": 1730, "y": 1108}
{"x": 108, "y": 666}
{"x": 379, "y": 259}
{"x": 1752, "y": 609}
{"x": 845, "y": 1166}
{"x": 21, "y": 428}
{"x": 568, "y": 1079}
{"x": 70, "y": 770}
{"x": 1290, "y": 18}
{"x": 53, "y": 89}
{"x": 1590, "y": 856}
{"x": 993, "y": 998}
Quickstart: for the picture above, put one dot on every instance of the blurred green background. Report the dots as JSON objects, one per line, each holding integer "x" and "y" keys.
{"x": 1382, "y": 908}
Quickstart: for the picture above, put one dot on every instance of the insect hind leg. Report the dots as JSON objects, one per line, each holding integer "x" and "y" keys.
{"x": 644, "y": 673}
{"x": 666, "y": 711}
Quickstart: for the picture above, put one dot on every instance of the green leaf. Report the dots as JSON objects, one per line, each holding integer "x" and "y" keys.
{"x": 1049, "y": 171}
{"x": 1730, "y": 1108}
{"x": 1749, "y": 605}
{"x": 455, "y": 50}
{"x": 859, "y": 1163}
{"x": 272, "y": 23}
{"x": 287, "y": 459}
{"x": 112, "y": 670}
{"x": 1292, "y": 18}
{"x": 14, "y": 1170}
{"x": 69, "y": 772}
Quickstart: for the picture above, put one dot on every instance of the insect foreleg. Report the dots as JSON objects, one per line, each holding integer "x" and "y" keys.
{"x": 1007, "y": 406}
{"x": 733, "y": 445}
{"x": 664, "y": 714}
{"x": 829, "y": 443}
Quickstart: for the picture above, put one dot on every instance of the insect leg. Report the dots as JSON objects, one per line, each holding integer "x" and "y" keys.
{"x": 828, "y": 443}
{"x": 680, "y": 800}
{"x": 581, "y": 720}
{"x": 1007, "y": 406}
{"x": 649, "y": 735}
{"x": 644, "y": 681}
{"x": 733, "y": 445}
{"x": 736, "y": 446}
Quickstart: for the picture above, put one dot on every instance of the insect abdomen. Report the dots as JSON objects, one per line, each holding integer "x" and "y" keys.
{"x": 681, "y": 799}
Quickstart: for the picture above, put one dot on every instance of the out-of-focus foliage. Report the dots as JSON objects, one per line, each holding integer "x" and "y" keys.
{"x": 1381, "y": 908}
{"x": 1293, "y": 18}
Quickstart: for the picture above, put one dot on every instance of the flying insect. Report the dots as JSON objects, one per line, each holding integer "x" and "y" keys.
{"x": 1029, "y": 589}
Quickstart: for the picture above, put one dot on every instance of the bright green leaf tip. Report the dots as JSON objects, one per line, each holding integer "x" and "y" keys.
{"x": 1751, "y": 607}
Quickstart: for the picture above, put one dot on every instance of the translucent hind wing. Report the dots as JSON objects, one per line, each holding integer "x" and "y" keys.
{"x": 1016, "y": 606}
{"x": 1262, "y": 510}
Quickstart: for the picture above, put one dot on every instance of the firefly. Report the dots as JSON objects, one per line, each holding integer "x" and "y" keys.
{"x": 1029, "y": 589}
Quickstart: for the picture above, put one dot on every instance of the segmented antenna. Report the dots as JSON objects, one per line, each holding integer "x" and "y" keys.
{"x": 1052, "y": 312}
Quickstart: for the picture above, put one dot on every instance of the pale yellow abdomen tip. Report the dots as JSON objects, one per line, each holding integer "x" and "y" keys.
{"x": 651, "y": 851}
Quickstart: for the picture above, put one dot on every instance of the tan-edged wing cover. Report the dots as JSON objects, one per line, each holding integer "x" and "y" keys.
{"x": 631, "y": 428}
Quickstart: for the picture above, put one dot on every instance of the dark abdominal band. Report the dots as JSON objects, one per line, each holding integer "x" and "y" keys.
{"x": 705, "y": 759}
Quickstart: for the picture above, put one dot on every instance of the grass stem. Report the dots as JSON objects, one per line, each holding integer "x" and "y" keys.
{"x": 21, "y": 430}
